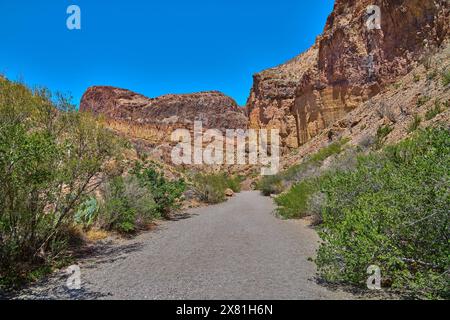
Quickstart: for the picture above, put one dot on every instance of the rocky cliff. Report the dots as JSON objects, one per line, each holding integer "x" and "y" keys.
{"x": 349, "y": 64}
{"x": 149, "y": 122}
{"x": 214, "y": 109}
{"x": 273, "y": 94}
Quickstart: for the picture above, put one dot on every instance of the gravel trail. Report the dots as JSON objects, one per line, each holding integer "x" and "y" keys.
{"x": 234, "y": 250}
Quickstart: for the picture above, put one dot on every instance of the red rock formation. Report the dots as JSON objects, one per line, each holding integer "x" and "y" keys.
{"x": 348, "y": 65}
{"x": 214, "y": 109}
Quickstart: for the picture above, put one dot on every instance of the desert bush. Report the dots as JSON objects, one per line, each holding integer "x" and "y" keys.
{"x": 315, "y": 206}
{"x": 391, "y": 211}
{"x": 295, "y": 202}
{"x": 211, "y": 187}
{"x": 415, "y": 123}
{"x": 51, "y": 158}
{"x": 367, "y": 141}
{"x": 234, "y": 183}
{"x": 270, "y": 185}
{"x": 166, "y": 194}
{"x": 381, "y": 136}
{"x": 423, "y": 100}
{"x": 87, "y": 213}
{"x": 333, "y": 149}
{"x": 127, "y": 205}
{"x": 276, "y": 184}
{"x": 446, "y": 78}
{"x": 433, "y": 112}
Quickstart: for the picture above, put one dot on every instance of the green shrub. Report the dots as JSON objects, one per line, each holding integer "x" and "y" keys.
{"x": 446, "y": 78}
{"x": 415, "y": 123}
{"x": 128, "y": 206}
{"x": 381, "y": 136}
{"x": 234, "y": 183}
{"x": 87, "y": 213}
{"x": 295, "y": 202}
{"x": 276, "y": 184}
{"x": 49, "y": 157}
{"x": 391, "y": 211}
{"x": 333, "y": 149}
{"x": 211, "y": 187}
{"x": 166, "y": 194}
{"x": 433, "y": 112}
{"x": 422, "y": 100}
{"x": 270, "y": 185}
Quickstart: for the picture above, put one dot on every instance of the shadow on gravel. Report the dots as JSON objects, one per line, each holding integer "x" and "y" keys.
{"x": 182, "y": 216}
{"x": 359, "y": 293}
{"x": 56, "y": 292}
{"x": 54, "y": 287}
{"x": 106, "y": 253}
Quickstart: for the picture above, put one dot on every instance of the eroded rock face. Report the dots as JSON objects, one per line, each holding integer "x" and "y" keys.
{"x": 149, "y": 122}
{"x": 348, "y": 65}
{"x": 214, "y": 109}
{"x": 272, "y": 97}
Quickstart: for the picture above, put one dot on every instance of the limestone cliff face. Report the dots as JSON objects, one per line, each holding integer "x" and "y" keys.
{"x": 348, "y": 65}
{"x": 273, "y": 94}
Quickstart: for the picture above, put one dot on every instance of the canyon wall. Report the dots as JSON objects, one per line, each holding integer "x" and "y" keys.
{"x": 149, "y": 122}
{"x": 213, "y": 108}
{"x": 348, "y": 65}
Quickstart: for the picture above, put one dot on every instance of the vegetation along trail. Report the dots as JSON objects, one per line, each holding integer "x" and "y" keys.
{"x": 234, "y": 250}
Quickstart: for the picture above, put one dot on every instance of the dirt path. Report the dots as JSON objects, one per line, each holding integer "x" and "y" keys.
{"x": 234, "y": 250}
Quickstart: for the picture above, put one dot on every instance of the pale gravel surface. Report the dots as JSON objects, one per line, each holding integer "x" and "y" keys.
{"x": 234, "y": 250}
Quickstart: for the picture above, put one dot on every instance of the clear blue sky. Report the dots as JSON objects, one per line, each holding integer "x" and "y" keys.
{"x": 154, "y": 47}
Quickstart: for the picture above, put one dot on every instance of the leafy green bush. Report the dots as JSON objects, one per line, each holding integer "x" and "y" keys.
{"x": 127, "y": 205}
{"x": 391, "y": 211}
{"x": 333, "y": 149}
{"x": 234, "y": 183}
{"x": 295, "y": 202}
{"x": 49, "y": 157}
{"x": 211, "y": 187}
{"x": 166, "y": 194}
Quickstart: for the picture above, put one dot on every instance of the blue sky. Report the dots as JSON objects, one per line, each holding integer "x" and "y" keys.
{"x": 154, "y": 47}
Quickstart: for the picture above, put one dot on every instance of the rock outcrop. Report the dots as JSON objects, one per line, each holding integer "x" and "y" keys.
{"x": 149, "y": 122}
{"x": 214, "y": 109}
{"x": 273, "y": 94}
{"x": 349, "y": 64}
{"x": 421, "y": 94}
